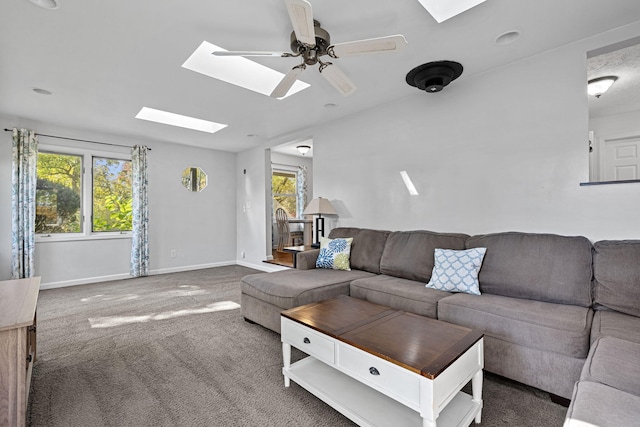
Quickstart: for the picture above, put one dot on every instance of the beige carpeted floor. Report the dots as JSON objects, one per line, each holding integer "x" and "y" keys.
{"x": 173, "y": 350}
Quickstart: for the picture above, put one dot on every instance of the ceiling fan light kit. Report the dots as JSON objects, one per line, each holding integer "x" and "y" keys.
{"x": 434, "y": 76}
{"x": 310, "y": 42}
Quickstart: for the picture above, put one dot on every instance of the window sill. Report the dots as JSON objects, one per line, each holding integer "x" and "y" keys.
{"x": 55, "y": 238}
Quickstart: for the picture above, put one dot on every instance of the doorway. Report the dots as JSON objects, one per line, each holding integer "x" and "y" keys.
{"x": 291, "y": 189}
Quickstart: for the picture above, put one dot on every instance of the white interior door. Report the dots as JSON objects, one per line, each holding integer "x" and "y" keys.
{"x": 621, "y": 158}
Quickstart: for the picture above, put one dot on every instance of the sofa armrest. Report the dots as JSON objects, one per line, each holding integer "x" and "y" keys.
{"x": 307, "y": 260}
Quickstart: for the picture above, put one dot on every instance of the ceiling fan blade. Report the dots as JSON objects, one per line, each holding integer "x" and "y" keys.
{"x": 301, "y": 16}
{"x": 247, "y": 53}
{"x": 337, "y": 78}
{"x": 380, "y": 44}
{"x": 288, "y": 80}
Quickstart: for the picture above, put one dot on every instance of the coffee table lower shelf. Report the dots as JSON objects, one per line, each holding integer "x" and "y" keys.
{"x": 368, "y": 407}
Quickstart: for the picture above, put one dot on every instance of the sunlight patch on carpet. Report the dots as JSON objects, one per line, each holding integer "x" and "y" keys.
{"x": 102, "y": 297}
{"x": 113, "y": 321}
{"x": 184, "y": 291}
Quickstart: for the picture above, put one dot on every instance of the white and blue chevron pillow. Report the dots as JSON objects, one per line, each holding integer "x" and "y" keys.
{"x": 457, "y": 271}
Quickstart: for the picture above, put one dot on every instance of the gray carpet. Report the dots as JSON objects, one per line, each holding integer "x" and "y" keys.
{"x": 173, "y": 350}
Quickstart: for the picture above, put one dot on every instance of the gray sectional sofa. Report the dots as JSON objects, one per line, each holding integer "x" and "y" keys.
{"x": 548, "y": 323}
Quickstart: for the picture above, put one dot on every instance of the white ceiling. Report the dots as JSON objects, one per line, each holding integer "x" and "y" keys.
{"x": 622, "y": 62}
{"x": 104, "y": 60}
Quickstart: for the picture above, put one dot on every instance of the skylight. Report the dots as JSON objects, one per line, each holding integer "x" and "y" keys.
{"x": 238, "y": 70}
{"x": 442, "y": 10}
{"x": 179, "y": 120}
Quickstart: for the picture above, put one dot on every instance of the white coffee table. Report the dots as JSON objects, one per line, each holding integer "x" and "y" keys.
{"x": 383, "y": 367}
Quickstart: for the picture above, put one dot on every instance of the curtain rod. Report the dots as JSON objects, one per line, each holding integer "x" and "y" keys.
{"x": 80, "y": 140}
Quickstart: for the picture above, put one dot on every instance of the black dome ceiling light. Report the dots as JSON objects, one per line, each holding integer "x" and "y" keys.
{"x": 434, "y": 76}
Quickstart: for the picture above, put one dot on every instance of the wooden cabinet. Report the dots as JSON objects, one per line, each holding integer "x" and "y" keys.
{"x": 18, "y": 299}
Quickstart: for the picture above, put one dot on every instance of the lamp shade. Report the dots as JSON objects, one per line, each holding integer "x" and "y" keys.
{"x": 320, "y": 206}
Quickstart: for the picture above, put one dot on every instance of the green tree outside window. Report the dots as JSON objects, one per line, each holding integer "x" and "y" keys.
{"x": 283, "y": 187}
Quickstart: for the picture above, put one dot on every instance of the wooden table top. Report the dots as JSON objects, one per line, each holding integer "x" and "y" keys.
{"x": 423, "y": 345}
{"x": 300, "y": 248}
{"x": 18, "y": 299}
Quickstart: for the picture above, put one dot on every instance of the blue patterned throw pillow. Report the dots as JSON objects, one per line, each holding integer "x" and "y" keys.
{"x": 457, "y": 271}
{"x": 334, "y": 253}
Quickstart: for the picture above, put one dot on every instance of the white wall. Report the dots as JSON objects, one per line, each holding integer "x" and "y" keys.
{"x": 200, "y": 227}
{"x": 501, "y": 151}
{"x": 253, "y": 213}
{"x": 505, "y": 150}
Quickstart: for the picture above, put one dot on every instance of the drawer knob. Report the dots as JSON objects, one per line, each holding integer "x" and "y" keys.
{"x": 306, "y": 340}
{"x": 374, "y": 371}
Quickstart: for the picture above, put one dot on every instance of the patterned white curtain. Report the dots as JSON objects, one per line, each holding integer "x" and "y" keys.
{"x": 23, "y": 202}
{"x": 140, "y": 238}
{"x": 301, "y": 190}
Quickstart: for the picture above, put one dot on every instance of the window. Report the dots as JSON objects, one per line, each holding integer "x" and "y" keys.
{"x": 58, "y": 193}
{"x": 112, "y": 197}
{"x": 72, "y": 199}
{"x": 283, "y": 187}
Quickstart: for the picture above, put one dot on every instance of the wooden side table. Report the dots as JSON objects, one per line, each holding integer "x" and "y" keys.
{"x": 18, "y": 299}
{"x": 294, "y": 250}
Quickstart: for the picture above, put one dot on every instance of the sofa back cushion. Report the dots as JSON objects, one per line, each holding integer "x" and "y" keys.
{"x": 366, "y": 248}
{"x": 544, "y": 267}
{"x": 409, "y": 254}
{"x": 616, "y": 269}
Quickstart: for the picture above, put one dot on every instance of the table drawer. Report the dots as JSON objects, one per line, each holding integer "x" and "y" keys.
{"x": 393, "y": 380}
{"x": 306, "y": 339}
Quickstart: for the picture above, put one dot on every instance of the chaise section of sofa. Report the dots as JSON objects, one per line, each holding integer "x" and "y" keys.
{"x": 534, "y": 307}
{"x": 608, "y": 393}
{"x": 264, "y": 296}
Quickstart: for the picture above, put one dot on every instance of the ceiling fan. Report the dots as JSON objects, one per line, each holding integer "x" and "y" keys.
{"x": 310, "y": 42}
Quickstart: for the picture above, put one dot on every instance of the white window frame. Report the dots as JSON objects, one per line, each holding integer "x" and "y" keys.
{"x": 86, "y": 201}
{"x": 288, "y": 170}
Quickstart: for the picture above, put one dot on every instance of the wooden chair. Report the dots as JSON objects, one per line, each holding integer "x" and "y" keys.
{"x": 285, "y": 235}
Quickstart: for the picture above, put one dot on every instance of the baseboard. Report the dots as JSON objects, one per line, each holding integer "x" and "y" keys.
{"x": 191, "y": 267}
{"x": 90, "y": 280}
{"x": 85, "y": 281}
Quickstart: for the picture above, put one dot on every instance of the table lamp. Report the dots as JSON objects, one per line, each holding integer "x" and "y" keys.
{"x": 319, "y": 206}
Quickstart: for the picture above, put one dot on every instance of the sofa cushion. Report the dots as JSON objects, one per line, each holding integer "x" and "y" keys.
{"x": 616, "y": 269}
{"x": 614, "y": 324}
{"x": 595, "y": 404}
{"x": 614, "y": 362}
{"x": 554, "y": 327}
{"x": 334, "y": 253}
{"x": 457, "y": 271}
{"x": 401, "y": 294}
{"x": 409, "y": 254}
{"x": 543, "y": 267}
{"x": 291, "y": 288}
{"x": 366, "y": 248}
